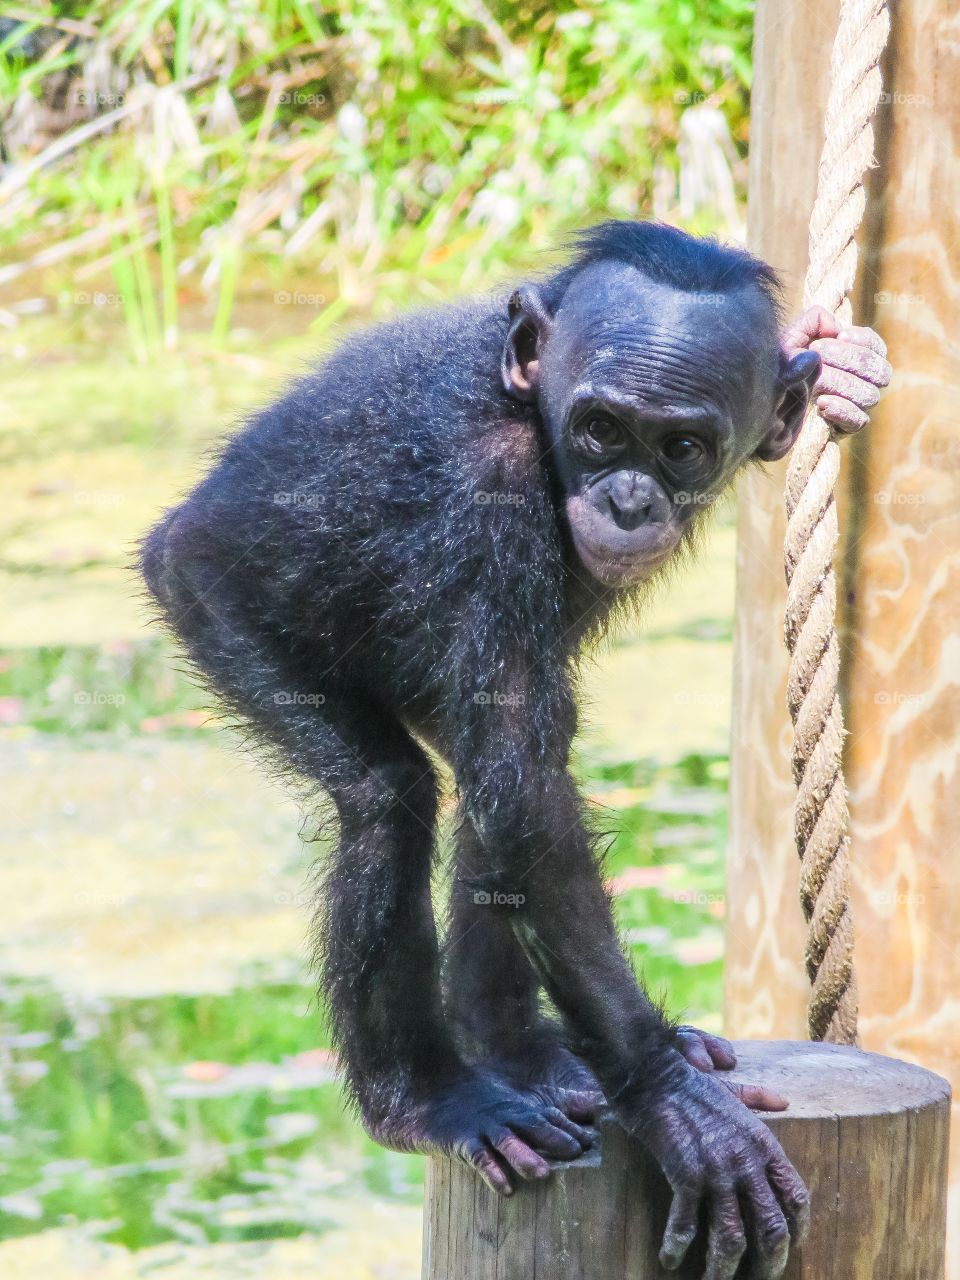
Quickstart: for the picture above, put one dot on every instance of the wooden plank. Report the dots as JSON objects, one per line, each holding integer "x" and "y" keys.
{"x": 900, "y": 521}
{"x": 765, "y": 984}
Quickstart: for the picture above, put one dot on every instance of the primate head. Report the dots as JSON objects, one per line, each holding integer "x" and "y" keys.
{"x": 655, "y": 362}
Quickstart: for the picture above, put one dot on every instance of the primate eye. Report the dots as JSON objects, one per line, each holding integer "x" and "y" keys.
{"x": 602, "y": 435}
{"x": 682, "y": 449}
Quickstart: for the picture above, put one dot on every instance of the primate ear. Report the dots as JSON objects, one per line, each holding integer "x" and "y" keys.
{"x": 798, "y": 377}
{"x": 530, "y": 323}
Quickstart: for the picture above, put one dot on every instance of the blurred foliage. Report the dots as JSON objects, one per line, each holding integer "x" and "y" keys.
{"x": 168, "y": 148}
{"x": 217, "y": 1117}
{"x": 117, "y": 687}
{"x": 127, "y": 1115}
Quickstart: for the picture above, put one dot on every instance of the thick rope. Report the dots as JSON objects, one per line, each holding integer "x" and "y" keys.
{"x": 821, "y": 815}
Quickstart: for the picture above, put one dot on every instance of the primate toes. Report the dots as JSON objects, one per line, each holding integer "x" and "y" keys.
{"x": 503, "y": 1132}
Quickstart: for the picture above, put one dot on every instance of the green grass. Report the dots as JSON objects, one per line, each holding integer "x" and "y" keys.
{"x": 384, "y": 152}
{"x": 118, "y": 687}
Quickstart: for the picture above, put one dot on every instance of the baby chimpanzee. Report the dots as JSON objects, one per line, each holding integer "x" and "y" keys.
{"x": 407, "y": 551}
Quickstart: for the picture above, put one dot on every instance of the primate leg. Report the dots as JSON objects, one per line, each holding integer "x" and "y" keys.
{"x": 376, "y": 935}
{"x": 493, "y": 994}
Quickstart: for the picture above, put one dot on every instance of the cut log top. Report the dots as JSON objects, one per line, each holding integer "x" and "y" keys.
{"x": 822, "y": 1080}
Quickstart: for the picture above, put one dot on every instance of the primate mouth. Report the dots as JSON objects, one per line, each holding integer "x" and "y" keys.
{"x": 617, "y": 568}
{"x": 615, "y": 557}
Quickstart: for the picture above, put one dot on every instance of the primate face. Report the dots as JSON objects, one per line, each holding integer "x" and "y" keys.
{"x": 653, "y": 397}
{"x": 636, "y": 474}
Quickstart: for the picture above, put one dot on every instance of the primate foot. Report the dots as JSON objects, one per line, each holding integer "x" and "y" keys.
{"x": 704, "y": 1051}
{"x": 547, "y": 1070}
{"x": 543, "y": 1066}
{"x": 481, "y": 1119}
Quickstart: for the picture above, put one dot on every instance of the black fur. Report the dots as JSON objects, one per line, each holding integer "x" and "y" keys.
{"x": 381, "y": 561}
{"x": 670, "y": 256}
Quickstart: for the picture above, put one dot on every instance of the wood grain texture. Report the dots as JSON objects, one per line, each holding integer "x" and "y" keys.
{"x": 869, "y": 1135}
{"x": 900, "y": 525}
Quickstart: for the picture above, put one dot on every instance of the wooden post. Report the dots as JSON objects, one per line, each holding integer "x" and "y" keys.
{"x": 899, "y": 570}
{"x": 868, "y": 1134}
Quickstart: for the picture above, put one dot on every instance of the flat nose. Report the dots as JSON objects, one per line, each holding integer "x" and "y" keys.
{"x": 636, "y": 499}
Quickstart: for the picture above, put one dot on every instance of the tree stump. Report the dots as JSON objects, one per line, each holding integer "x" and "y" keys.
{"x": 867, "y": 1133}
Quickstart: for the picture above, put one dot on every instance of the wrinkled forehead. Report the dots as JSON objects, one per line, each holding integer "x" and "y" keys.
{"x": 652, "y": 343}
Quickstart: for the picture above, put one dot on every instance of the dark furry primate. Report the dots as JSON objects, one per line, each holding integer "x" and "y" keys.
{"x": 409, "y": 550}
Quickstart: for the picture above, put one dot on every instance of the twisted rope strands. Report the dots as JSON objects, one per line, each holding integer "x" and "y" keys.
{"x": 821, "y": 814}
